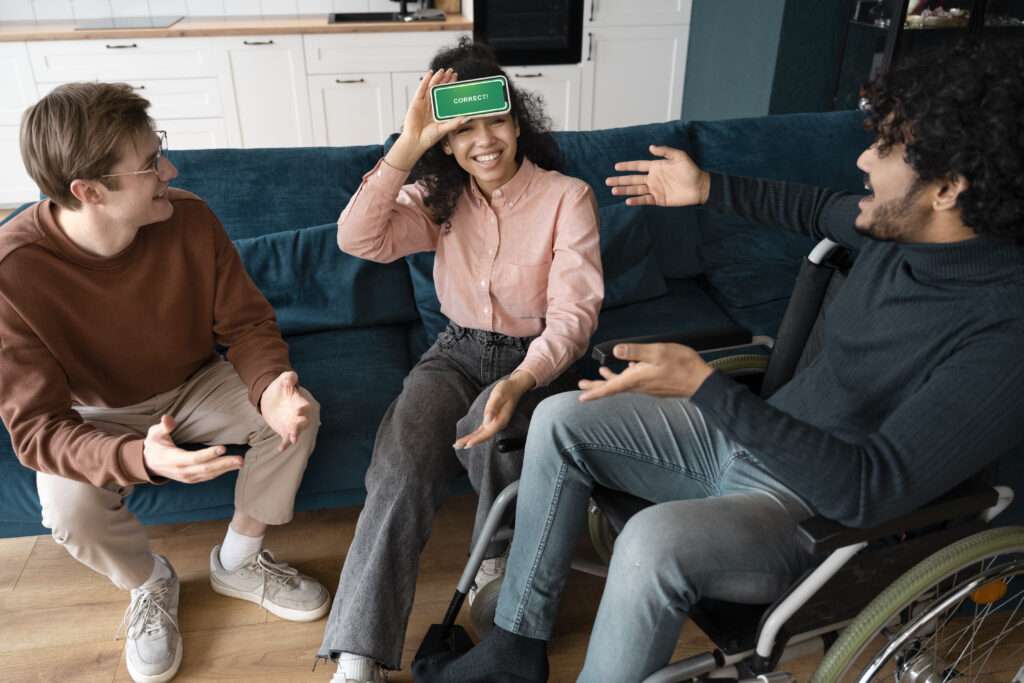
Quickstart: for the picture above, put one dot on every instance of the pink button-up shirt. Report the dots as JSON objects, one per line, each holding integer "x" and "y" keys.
{"x": 525, "y": 263}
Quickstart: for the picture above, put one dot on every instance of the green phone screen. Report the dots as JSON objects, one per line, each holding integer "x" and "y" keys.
{"x": 477, "y": 97}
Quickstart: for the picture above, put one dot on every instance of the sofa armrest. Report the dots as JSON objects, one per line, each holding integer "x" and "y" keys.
{"x": 704, "y": 340}
{"x": 821, "y": 536}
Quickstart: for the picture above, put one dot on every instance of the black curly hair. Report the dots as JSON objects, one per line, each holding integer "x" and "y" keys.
{"x": 960, "y": 113}
{"x": 444, "y": 179}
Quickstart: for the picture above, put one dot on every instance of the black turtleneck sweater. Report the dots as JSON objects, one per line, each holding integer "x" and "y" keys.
{"x": 919, "y": 383}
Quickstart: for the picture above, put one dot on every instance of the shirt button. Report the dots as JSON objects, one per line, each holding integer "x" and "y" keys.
{"x": 487, "y": 309}
{"x": 497, "y": 193}
{"x": 483, "y": 283}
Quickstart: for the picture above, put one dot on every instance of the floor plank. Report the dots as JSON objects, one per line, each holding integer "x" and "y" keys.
{"x": 14, "y": 553}
{"x": 58, "y": 622}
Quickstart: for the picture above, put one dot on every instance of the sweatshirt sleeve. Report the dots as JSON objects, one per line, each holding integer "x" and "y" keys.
{"x": 386, "y": 220}
{"x": 966, "y": 415}
{"x": 46, "y": 433}
{"x": 575, "y": 290}
{"x": 244, "y": 320}
{"x": 814, "y": 211}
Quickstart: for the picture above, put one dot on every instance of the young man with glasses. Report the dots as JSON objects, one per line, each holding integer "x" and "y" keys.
{"x": 114, "y": 294}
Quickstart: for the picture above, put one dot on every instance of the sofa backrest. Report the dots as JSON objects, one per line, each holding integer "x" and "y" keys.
{"x": 750, "y": 268}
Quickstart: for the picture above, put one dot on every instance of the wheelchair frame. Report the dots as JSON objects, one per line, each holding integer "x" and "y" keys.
{"x": 839, "y": 545}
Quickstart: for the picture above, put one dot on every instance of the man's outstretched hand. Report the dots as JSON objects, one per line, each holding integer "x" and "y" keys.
{"x": 654, "y": 369}
{"x": 673, "y": 180}
{"x": 285, "y": 409}
{"x": 166, "y": 460}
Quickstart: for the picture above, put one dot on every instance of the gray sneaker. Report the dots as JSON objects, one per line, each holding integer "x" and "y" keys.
{"x": 153, "y": 643}
{"x": 273, "y": 585}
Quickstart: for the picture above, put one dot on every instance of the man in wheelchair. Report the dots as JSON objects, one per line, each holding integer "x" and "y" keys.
{"x": 915, "y": 389}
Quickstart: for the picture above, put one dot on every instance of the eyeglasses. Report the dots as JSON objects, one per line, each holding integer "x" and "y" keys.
{"x": 154, "y": 166}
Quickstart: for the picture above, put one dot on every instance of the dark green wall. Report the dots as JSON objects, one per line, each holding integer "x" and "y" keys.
{"x": 755, "y": 57}
{"x": 730, "y": 61}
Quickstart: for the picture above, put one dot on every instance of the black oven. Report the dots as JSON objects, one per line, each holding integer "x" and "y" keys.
{"x": 530, "y": 31}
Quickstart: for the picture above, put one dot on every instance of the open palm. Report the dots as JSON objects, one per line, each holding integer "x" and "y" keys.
{"x": 673, "y": 180}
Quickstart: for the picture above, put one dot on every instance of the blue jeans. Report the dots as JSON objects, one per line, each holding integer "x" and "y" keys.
{"x": 721, "y": 527}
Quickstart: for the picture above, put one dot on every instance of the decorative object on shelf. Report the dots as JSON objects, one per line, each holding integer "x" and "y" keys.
{"x": 882, "y": 33}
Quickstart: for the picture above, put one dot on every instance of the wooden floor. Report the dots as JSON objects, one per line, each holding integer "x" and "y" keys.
{"x": 58, "y": 619}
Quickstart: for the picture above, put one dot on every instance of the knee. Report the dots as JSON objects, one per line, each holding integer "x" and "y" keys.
{"x": 74, "y": 519}
{"x": 554, "y": 416}
{"x": 650, "y": 552}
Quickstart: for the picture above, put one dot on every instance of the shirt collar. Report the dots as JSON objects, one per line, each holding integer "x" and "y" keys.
{"x": 509, "y": 193}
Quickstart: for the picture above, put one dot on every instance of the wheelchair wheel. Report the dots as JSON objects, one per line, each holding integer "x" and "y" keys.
{"x": 956, "y": 616}
{"x": 485, "y": 604}
{"x": 602, "y": 535}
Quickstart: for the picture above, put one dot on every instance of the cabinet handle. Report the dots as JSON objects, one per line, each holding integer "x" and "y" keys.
{"x": 138, "y": 87}
{"x": 593, "y": 3}
{"x": 121, "y": 47}
{"x": 257, "y": 42}
{"x": 590, "y": 46}
{"x": 350, "y": 80}
{"x": 536, "y": 75}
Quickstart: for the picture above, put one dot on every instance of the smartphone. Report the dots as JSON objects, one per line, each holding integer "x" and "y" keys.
{"x": 475, "y": 97}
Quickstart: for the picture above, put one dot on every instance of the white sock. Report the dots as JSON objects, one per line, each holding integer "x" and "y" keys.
{"x": 161, "y": 570}
{"x": 237, "y": 548}
{"x": 356, "y": 667}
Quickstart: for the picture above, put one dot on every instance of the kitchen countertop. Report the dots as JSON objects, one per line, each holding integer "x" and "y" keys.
{"x": 16, "y": 31}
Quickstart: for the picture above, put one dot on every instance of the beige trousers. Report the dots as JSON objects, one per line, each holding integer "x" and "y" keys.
{"x": 211, "y": 407}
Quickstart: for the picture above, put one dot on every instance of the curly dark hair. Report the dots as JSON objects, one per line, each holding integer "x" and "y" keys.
{"x": 960, "y": 113}
{"x": 444, "y": 179}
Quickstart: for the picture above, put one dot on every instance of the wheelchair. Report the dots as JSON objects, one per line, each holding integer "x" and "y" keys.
{"x": 932, "y": 597}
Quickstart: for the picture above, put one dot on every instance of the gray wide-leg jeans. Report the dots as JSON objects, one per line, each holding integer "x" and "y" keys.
{"x": 442, "y": 398}
{"x": 721, "y": 526}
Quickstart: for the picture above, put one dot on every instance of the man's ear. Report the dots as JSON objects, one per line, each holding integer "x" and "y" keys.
{"x": 86, "y": 191}
{"x": 949, "y": 190}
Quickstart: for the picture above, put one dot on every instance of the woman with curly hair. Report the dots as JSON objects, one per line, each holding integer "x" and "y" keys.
{"x": 518, "y": 273}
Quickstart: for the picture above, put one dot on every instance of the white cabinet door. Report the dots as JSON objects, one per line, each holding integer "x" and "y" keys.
{"x": 118, "y": 59}
{"x": 558, "y": 86}
{"x": 172, "y": 98}
{"x": 375, "y": 52}
{"x": 194, "y": 133}
{"x": 15, "y": 186}
{"x": 403, "y": 86}
{"x": 624, "y": 85}
{"x": 17, "y": 87}
{"x": 351, "y": 109}
{"x": 636, "y": 13}
{"x": 271, "y": 95}
{"x": 17, "y": 92}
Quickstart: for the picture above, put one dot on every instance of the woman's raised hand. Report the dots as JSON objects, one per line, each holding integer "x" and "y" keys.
{"x": 420, "y": 132}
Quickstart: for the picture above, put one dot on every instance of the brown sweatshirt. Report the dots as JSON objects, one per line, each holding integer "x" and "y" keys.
{"x": 77, "y": 329}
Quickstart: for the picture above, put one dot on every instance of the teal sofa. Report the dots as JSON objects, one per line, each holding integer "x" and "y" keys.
{"x": 356, "y": 328}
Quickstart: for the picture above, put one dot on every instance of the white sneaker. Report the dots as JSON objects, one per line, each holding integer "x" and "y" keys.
{"x": 273, "y": 585}
{"x": 153, "y": 643}
{"x": 365, "y": 671}
{"x": 490, "y": 570}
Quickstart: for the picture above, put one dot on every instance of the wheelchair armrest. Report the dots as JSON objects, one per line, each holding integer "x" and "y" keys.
{"x": 820, "y": 536}
{"x": 702, "y": 340}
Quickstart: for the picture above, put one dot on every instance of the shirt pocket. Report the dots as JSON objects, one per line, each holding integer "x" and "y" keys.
{"x": 522, "y": 290}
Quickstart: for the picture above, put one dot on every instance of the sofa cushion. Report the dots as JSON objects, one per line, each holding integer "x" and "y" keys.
{"x": 261, "y": 191}
{"x": 314, "y": 286}
{"x": 752, "y": 268}
{"x": 631, "y": 271}
{"x": 686, "y": 307}
{"x": 591, "y": 155}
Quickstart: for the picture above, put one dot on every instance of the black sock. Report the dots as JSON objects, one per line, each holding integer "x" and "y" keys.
{"x": 501, "y": 657}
